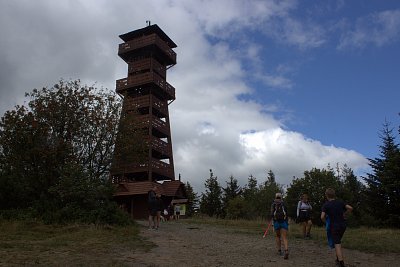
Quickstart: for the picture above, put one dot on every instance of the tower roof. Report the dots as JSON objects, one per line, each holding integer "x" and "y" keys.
{"x": 147, "y": 31}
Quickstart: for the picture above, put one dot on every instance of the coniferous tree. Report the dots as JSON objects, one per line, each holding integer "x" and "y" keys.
{"x": 383, "y": 184}
{"x": 266, "y": 195}
{"x": 353, "y": 193}
{"x": 193, "y": 200}
{"x": 250, "y": 195}
{"x": 231, "y": 191}
{"x": 211, "y": 200}
{"x": 270, "y": 178}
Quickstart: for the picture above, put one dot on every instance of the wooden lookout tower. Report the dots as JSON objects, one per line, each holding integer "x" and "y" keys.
{"x": 146, "y": 96}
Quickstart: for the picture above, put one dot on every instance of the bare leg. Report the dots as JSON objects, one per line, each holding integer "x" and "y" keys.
{"x": 278, "y": 240}
{"x": 150, "y": 220}
{"x": 284, "y": 238}
{"x": 303, "y": 228}
{"x": 285, "y": 243}
{"x": 158, "y": 219}
{"x": 338, "y": 250}
{"x": 309, "y": 225}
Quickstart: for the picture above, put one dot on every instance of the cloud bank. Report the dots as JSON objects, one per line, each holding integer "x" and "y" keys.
{"x": 216, "y": 122}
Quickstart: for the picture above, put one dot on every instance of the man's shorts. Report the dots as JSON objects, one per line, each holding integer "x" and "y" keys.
{"x": 281, "y": 225}
{"x": 337, "y": 232}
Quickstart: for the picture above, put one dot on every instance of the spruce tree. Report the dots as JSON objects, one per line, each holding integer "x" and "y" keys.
{"x": 230, "y": 192}
{"x": 383, "y": 184}
{"x": 211, "y": 202}
{"x": 193, "y": 200}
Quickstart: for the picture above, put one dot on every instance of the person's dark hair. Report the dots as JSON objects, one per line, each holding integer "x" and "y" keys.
{"x": 330, "y": 193}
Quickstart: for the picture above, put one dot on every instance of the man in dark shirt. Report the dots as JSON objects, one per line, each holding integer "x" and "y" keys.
{"x": 336, "y": 212}
{"x": 151, "y": 202}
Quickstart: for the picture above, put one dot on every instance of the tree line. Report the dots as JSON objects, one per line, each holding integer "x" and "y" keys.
{"x": 375, "y": 197}
{"x": 56, "y": 153}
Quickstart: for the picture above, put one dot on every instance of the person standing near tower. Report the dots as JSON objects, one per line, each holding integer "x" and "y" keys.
{"x": 152, "y": 207}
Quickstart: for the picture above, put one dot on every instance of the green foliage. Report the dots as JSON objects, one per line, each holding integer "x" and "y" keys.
{"x": 55, "y": 154}
{"x": 383, "y": 184}
{"x": 193, "y": 200}
{"x": 211, "y": 200}
{"x": 231, "y": 191}
{"x": 250, "y": 195}
{"x": 314, "y": 183}
{"x": 266, "y": 196}
{"x": 133, "y": 148}
{"x": 255, "y": 200}
{"x": 236, "y": 208}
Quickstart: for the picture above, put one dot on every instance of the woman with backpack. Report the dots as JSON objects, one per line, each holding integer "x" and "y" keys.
{"x": 304, "y": 210}
{"x": 281, "y": 226}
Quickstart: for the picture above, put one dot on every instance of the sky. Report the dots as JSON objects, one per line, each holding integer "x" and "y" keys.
{"x": 284, "y": 85}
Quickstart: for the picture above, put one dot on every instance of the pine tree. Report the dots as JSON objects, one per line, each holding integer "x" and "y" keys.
{"x": 383, "y": 184}
{"x": 211, "y": 200}
{"x": 193, "y": 200}
{"x": 270, "y": 178}
{"x": 250, "y": 195}
{"x": 230, "y": 192}
{"x": 353, "y": 192}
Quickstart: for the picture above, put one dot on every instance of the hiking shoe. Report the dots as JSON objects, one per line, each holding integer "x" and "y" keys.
{"x": 286, "y": 255}
{"x": 280, "y": 252}
{"x": 339, "y": 263}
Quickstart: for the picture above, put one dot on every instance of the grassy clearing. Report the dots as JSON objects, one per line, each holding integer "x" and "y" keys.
{"x": 364, "y": 239}
{"x": 25, "y": 243}
{"x": 33, "y": 243}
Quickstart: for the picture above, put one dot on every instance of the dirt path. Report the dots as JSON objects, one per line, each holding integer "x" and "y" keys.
{"x": 181, "y": 244}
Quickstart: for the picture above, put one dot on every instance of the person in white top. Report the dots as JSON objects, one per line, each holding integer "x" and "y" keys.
{"x": 304, "y": 210}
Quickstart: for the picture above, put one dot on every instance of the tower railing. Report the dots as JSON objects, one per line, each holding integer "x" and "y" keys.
{"x": 146, "y": 78}
{"x": 147, "y": 64}
{"x": 134, "y": 103}
{"x": 146, "y": 41}
{"x": 157, "y": 166}
{"x": 161, "y": 146}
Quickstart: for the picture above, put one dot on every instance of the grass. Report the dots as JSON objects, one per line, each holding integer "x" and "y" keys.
{"x": 33, "y": 243}
{"x": 373, "y": 240}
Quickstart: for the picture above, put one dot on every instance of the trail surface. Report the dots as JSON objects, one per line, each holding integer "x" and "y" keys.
{"x": 181, "y": 244}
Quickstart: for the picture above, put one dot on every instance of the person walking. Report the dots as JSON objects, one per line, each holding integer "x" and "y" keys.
{"x": 151, "y": 203}
{"x": 159, "y": 207}
{"x": 304, "y": 210}
{"x": 177, "y": 211}
{"x": 334, "y": 214}
{"x": 281, "y": 226}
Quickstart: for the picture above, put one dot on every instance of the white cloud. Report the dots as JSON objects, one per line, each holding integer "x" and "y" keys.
{"x": 211, "y": 127}
{"x": 378, "y": 29}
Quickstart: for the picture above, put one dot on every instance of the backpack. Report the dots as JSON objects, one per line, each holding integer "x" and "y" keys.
{"x": 279, "y": 212}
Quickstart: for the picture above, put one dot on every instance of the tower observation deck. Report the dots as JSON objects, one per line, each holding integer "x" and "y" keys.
{"x": 146, "y": 97}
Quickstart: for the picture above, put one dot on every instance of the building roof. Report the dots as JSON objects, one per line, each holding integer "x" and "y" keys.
{"x": 168, "y": 188}
{"x": 179, "y": 201}
{"x": 147, "y": 31}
